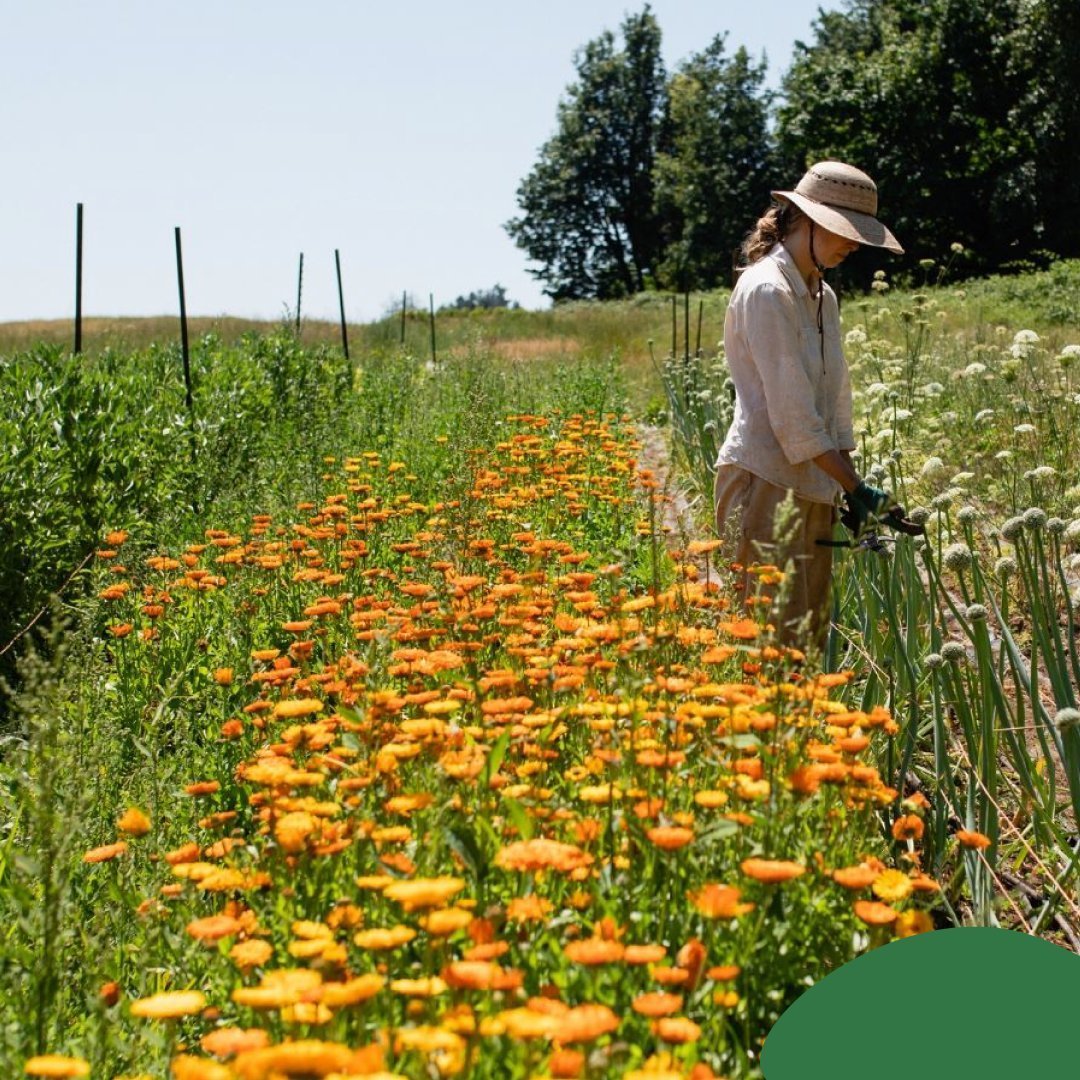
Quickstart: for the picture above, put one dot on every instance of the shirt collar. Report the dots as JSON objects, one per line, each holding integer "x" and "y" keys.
{"x": 783, "y": 258}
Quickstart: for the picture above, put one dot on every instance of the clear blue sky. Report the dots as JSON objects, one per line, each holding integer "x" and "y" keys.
{"x": 397, "y": 133}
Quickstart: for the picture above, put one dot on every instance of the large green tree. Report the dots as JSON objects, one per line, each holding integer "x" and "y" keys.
{"x": 713, "y": 177}
{"x": 588, "y": 216}
{"x": 964, "y": 111}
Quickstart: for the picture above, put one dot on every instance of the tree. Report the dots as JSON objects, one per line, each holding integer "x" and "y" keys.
{"x": 588, "y": 217}
{"x": 714, "y": 179}
{"x": 495, "y": 297}
{"x": 946, "y": 103}
{"x": 1048, "y": 58}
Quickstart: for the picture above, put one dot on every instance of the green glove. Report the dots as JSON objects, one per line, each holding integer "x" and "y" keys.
{"x": 866, "y": 504}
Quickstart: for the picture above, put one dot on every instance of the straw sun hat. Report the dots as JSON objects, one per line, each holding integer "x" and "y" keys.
{"x": 843, "y": 200}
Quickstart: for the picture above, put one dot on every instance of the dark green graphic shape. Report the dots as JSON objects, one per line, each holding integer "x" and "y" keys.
{"x": 973, "y": 1003}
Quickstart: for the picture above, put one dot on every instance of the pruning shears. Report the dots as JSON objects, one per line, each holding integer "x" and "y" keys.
{"x": 871, "y": 539}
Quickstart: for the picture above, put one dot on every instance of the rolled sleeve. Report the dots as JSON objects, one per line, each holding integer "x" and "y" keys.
{"x": 772, "y": 334}
{"x": 845, "y": 428}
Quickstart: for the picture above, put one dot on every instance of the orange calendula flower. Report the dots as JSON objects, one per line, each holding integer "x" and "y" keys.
{"x": 856, "y": 877}
{"x": 584, "y": 1023}
{"x": 203, "y": 787}
{"x": 676, "y": 1029}
{"x": 214, "y": 927}
{"x": 744, "y": 629}
{"x": 225, "y": 1042}
{"x": 531, "y": 908}
{"x": 874, "y": 913}
{"x": 379, "y": 939}
{"x": 169, "y": 1005}
{"x": 542, "y": 854}
{"x": 290, "y": 710}
{"x": 304, "y": 1057}
{"x": 190, "y": 1067}
{"x": 566, "y": 1064}
{"x": 719, "y": 901}
{"x": 424, "y": 892}
{"x": 772, "y": 871}
{"x": 105, "y": 853}
{"x": 352, "y": 992}
{"x": 431, "y": 986}
{"x": 480, "y": 975}
{"x": 251, "y": 954}
{"x": 670, "y": 837}
{"x": 292, "y": 831}
{"x": 56, "y": 1065}
{"x": 908, "y": 827}
{"x": 644, "y": 954}
{"x": 592, "y": 951}
{"x": 970, "y": 839}
{"x": 223, "y": 676}
{"x": 657, "y": 1004}
{"x": 134, "y": 822}
{"x": 724, "y": 972}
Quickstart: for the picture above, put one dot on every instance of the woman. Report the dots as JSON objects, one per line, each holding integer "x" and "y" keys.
{"x": 791, "y": 436}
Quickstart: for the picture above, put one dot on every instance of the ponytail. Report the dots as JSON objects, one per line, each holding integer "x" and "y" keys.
{"x": 776, "y": 223}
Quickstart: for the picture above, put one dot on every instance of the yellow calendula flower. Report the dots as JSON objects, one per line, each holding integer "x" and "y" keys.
{"x": 891, "y": 886}
{"x": 56, "y": 1065}
{"x": 169, "y": 1005}
{"x": 910, "y": 923}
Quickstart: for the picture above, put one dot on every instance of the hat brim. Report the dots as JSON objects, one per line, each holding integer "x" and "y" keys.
{"x": 862, "y": 228}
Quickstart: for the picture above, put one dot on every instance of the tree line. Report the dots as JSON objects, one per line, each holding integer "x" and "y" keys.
{"x": 965, "y": 112}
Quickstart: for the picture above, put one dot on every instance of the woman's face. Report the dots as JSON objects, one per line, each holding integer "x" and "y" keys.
{"x": 831, "y": 250}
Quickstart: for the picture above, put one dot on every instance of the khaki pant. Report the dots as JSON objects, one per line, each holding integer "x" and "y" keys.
{"x": 746, "y": 509}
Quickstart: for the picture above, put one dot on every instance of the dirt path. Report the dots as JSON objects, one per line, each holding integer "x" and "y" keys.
{"x": 680, "y": 507}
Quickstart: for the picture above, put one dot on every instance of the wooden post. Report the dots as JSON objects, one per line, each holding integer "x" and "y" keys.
{"x": 674, "y": 325}
{"x": 341, "y": 304}
{"x": 686, "y": 325}
{"x": 189, "y": 399}
{"x": 404, "y": 301}
{"x": 700, "y": 311}
{"x": 78, "y": 277}
{"x": 299, "y": 291}
{"x": 431, "y": 305}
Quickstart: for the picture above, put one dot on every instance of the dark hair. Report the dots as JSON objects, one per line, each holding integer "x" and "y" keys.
{"x": 776, "y": 223}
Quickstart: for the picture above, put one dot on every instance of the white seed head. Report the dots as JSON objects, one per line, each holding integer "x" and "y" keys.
{"x": 953, "y": 652}
{"x": 1035, "y": 518}
{"x": 1010, "y": 529}
{"x": 975, "y": 612}
{"x": 1005, "y": 567}
{"x": 957, "y": 557}
{"x": 1067, "y": 719}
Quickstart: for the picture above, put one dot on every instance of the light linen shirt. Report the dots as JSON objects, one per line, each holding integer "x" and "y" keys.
{"x": 790, "y": 406}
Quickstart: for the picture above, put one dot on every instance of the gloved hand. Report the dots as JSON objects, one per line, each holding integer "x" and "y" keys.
{"x": 865, "y": 504}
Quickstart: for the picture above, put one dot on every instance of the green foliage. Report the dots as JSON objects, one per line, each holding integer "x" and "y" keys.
{"x": 947, "y": 103}
{"x": 495, "y": 297}
{"x": 965, "y": 112}
{"x": 91, "y": 443}
{"x": 716, "y": 169}
{"x": 587, "y": 206}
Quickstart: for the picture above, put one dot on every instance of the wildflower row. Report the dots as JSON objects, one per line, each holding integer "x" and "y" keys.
{"x": 477, "y": 798}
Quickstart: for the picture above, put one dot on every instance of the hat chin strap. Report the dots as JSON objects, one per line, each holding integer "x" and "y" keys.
{"x": 813, "y": 256}
{"x": 820, "y": 297}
